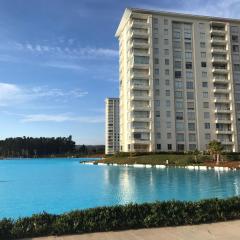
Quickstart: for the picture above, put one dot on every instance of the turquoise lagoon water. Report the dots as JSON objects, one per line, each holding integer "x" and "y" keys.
{"x": 61, "y": 185}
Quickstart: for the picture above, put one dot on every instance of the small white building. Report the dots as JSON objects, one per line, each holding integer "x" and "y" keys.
{"x": 111, "y": 125}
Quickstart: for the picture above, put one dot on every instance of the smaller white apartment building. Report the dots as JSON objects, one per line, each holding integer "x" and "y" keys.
{"x": 112, "y": 125}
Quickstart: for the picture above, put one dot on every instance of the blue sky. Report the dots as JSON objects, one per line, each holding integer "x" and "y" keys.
{"x": 59, "y": 60}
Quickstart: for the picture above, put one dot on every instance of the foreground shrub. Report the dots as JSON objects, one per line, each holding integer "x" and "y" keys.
{"x": 131, "y": 216}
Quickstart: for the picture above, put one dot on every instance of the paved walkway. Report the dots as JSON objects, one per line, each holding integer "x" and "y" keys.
{"x": 217, "y": 231}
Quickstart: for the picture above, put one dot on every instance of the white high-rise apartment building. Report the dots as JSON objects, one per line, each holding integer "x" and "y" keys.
{"x": 112, "y": 125}
{"x": 179, "y": 81}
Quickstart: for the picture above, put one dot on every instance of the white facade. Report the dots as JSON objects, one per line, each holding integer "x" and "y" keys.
{"x": 112, "y": 125}
{"x": 179, "y": 81}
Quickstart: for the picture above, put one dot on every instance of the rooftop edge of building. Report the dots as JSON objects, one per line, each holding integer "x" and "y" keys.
{"x": 129, "y": 10}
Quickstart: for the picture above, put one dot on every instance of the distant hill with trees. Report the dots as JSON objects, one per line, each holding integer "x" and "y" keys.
{"x": 43, "y": 147}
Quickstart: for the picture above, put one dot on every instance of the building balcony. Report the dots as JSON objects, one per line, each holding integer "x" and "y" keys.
{"x": 221, "y": 90}
{"x": 222, "y": 110}
{"x": 140, "y": 87}
{"x": 226, "y": 121}
{"x": 139, "y": 66}
{"x": 220, "y": 41}
{"x": 134, "y": 97}
{"x": 217, "y": 31}
{"x": 219, "y": 60}
{"x": 139, "y": 75}
{"x": 220, "y": 80}
{"x": 139, "y": 34}
{"x": 224, "y": 131}
{"x": 135, "y": 24}
{"x": 221, "y": 100}
{"x": 140, "y": 119}
{"x": 218, "y": 50}
{"x": 141, "y": 141}
{"x": 139, "y": 45}
{"x": 220, "y": 70}
{"x": 140, "y": 108}
{"x": 141, "y": 130}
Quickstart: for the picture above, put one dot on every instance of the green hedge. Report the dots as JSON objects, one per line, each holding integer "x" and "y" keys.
{"x": 131, "y": 216}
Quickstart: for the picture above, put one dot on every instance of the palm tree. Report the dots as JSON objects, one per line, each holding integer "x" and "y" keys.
{"x": 215, "y": 148}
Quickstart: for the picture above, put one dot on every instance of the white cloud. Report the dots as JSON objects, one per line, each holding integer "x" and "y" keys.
{"x": 61, "y": 118}
{"x": 64, "y": 65}
{"x": 12, "y": 94}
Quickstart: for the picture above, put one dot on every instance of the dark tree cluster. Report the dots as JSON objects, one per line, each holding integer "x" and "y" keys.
{"x": 36, "y": 147}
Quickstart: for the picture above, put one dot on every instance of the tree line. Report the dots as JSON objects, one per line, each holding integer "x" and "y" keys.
{"x": 34, "y": 147}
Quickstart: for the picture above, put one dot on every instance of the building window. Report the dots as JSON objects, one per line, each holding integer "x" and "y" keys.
{"x": 167, "y": 93}
{"x": 206, "y": 105}
{"x": 166, "y": 61}
{"x": 168, "y": 103}
{"x": 176, "y": 35}
{"x": 190, "y": 95}
{"x": 234, "y": 38}
{"x": 169, "y": 146}
{"x": 155, "y": 20}
{"x": 178, "y": 74}
{"x": 188, "y": 65}
{"x": 168, "y": 124}
{"x": 190, "y": 105}
{"x": 157, "y": 113}
{"x": 207, "y": 136}
{"x": 156, "y": 71}
{"x": 205, "y": 94}
{"x": 180, "y": 137}
{"x": 158, "y": 146}
{"x": 179, "y": 115}
{"x": 191, "y": 126}
{"x": 167, "y": 72}
{"x": 178, "y": 94}
{"x": 179, "y": 126}
{"x": 165, "y": 21}
{"x": 189, "y": 85}
{"x": 168, "y": 114}
{"x": 188, "y": 45}
{"x": 192, "y": 137}
{"x": 166, "y": 41}
{"x": 156, "y": 60}
{"x": 203, "y": 54}
{"x": 179, "y": 105}
{"x": 177, "y": 54}
{"x": 177, "y": 64}
{"x": 176, "y": 44}
{"x": 157, "y": 92}
{"x": 204, "y": 74}
{"x": 203, "y": 64}
{"x": 178, "y": 85}
{"x": 156, "y": 81}
{"x": 187, "y": 36}
{"x": 236, "y": 67}
{"x": 207, "y": 125}
{"x": 157, "y": 102}
{"x": 167, "y": 82}
{"x": 166, "y": 51}
{"x": 169, "y": 135}
{"x": 204, "y": 84}
{"x": 155, "y": 40}
{"x": 191, "y": 115}
{"x": 235, "y": 48}
{"x": 192, "y": 147}
{"x": 156, "y": 51}
{"x": 202, "y": 35}
{"x": 165, "y": 31}
{"x": 206, "y": 115}
{"x": 202, "y": 44}
{"x": 189, "y": 75}
{"x": 188, "y": 55}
